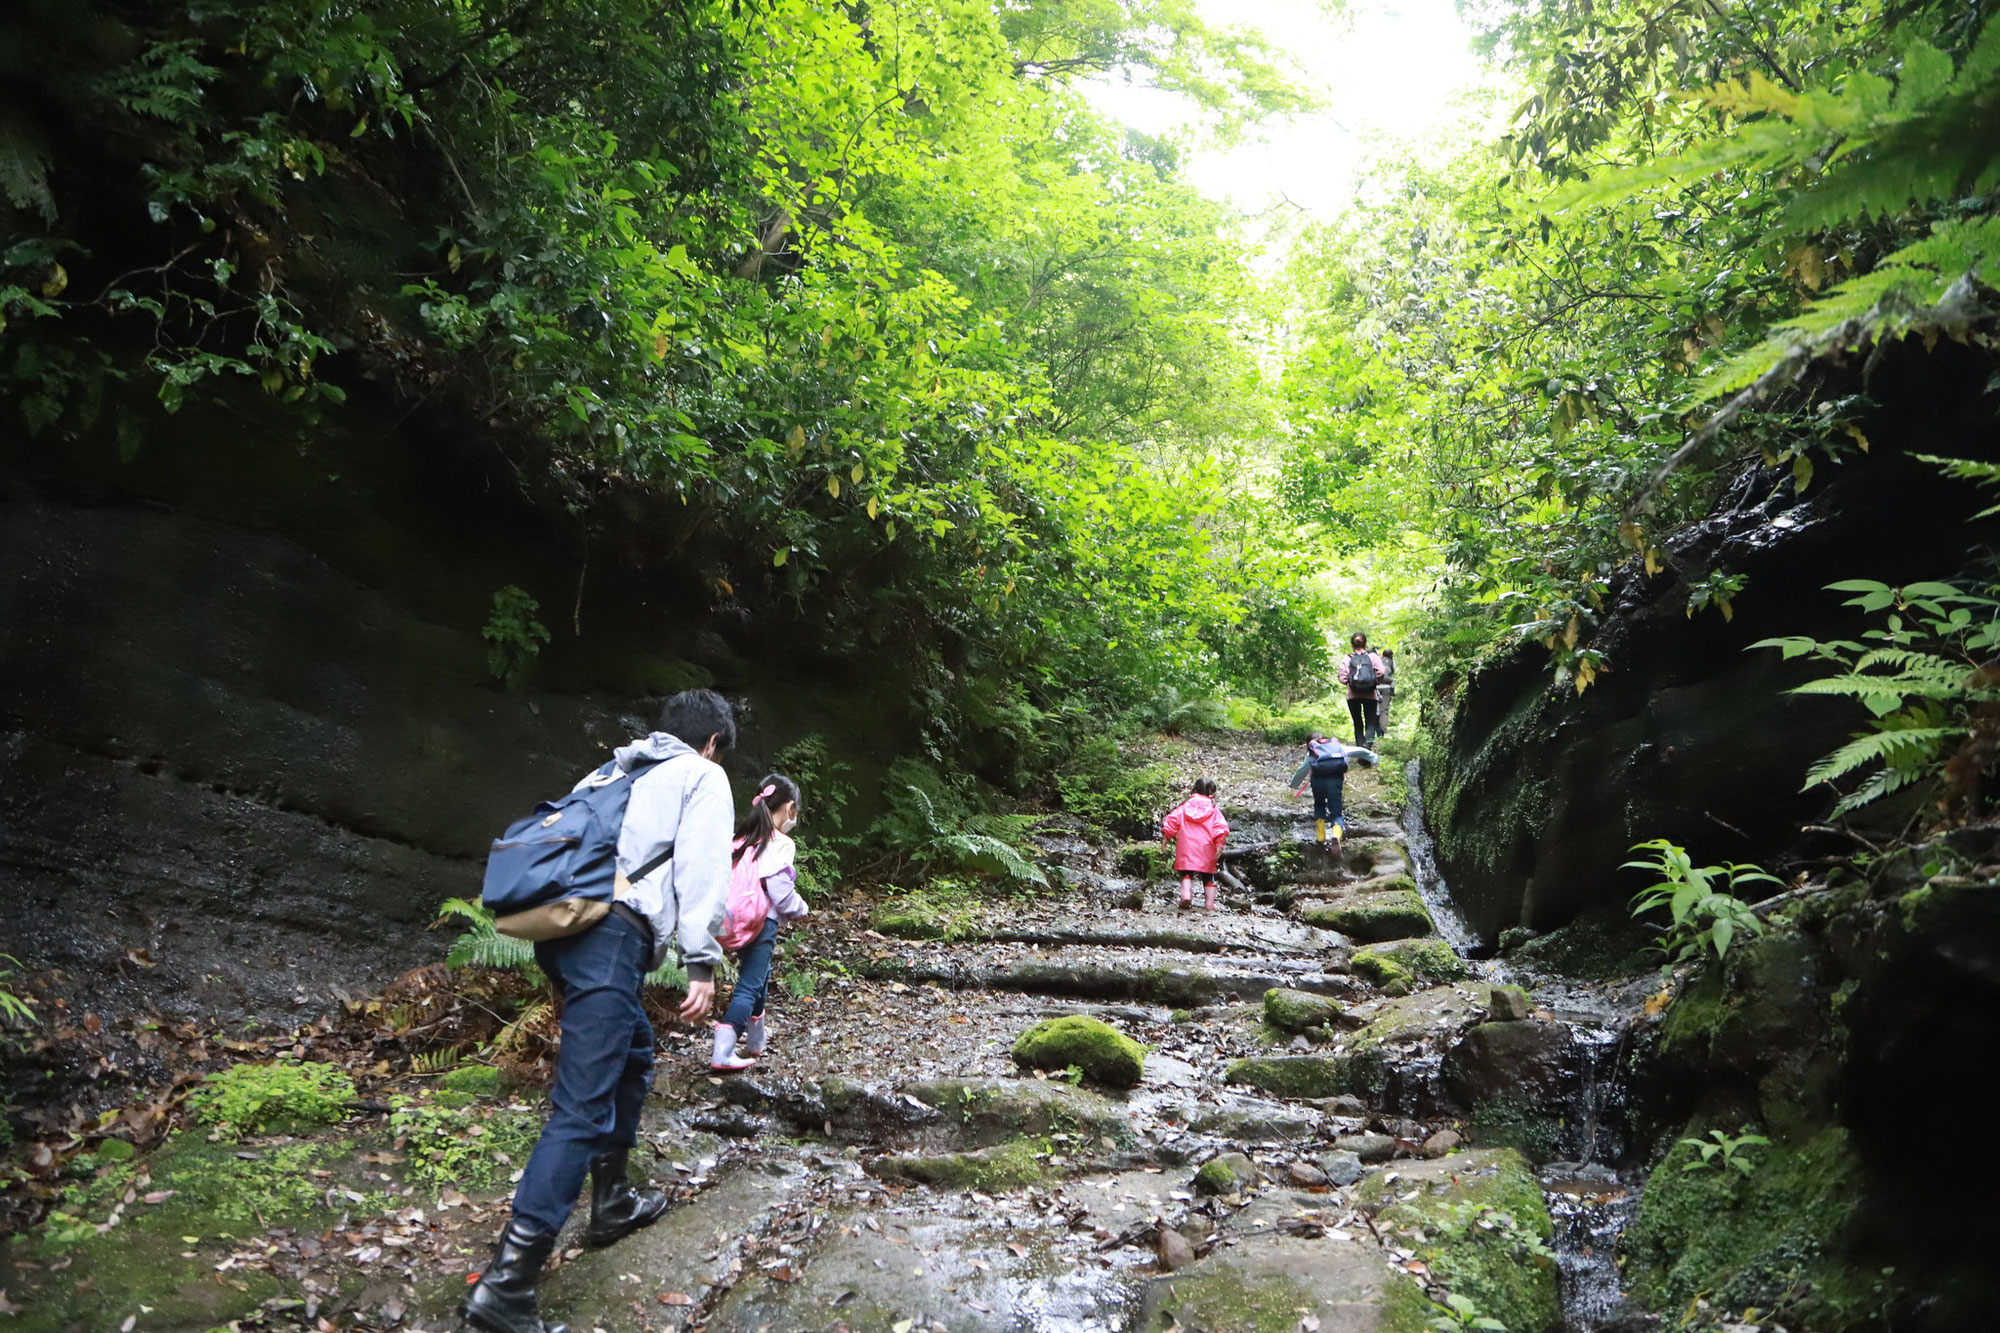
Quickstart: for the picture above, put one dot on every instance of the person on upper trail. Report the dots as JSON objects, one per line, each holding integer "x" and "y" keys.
{"x": 1362, "y": 672}
{"x": 763, "y": 895}
{"x": 1196, "y": 829}
{"x": 1385, "y": 693}
{"x": 1325, "y": 767}
{"x": 676, "y": 838}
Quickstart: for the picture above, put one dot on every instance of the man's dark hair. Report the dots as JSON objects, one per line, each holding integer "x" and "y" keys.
{"x": 695, "y": 715}
{"x": 1359, "y": 641}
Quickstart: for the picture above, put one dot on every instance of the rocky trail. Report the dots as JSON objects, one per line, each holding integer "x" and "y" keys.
{"x": 1327, "y": 1132}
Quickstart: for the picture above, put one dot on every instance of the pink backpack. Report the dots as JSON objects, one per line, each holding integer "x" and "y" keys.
{"x": 749, "y": 905}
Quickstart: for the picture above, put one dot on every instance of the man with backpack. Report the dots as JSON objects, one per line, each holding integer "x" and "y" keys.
{"x": 671, "y": 882}
{"x": 1362, "y": 673}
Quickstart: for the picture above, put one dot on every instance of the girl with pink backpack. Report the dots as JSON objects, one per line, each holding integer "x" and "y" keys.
{"x": 763, "y": 893}
{"x": 1196, "y": 829}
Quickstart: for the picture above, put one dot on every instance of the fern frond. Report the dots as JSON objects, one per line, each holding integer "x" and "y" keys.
{"x": 1897, "y": 749}
{"x": 1882, "y": 782}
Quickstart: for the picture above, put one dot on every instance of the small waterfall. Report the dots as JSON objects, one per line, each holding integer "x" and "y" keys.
{"x": 1590, "y": 1200}
{"x": 1431, "y": 887}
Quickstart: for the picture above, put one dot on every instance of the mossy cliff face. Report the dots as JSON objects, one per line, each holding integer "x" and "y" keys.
{"x": 1534, "y": 792}
{"x": 1863, "y": 1018}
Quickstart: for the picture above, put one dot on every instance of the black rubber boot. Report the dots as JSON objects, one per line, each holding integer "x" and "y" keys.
{"x": 616, "y": 1209}
{"x": 503, "y": 1300}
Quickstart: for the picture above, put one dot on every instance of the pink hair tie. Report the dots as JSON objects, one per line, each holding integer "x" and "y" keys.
{"x": 768, "y": 790}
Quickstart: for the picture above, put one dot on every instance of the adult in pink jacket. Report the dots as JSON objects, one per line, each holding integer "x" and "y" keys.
{"x": 1196, "y": 828}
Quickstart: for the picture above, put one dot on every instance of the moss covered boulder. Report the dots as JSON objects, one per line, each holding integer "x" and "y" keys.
{"x": 992, "y": 1110}
{"x": 1297, "y": 1010}
{"x": 1270, "y": 1282}
{"x": 1408, "y": 964}
{"x": 1144, "y": 860}
{"x": 1479, "y": 1222}
{"x": 1104, "y": 1054}
{"x": 1370, "y": 917}
{"x": 1004, "y": 1166}
{"x": 1225, "y": 1173}
{"x": 1749, "y": 1239}
{"x": 1295, "y": 1076}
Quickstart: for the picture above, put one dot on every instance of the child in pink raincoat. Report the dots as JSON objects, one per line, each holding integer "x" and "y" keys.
{"x": 1196, "y": 828}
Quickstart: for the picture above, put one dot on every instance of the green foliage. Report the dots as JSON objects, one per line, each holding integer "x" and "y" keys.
{"x": 1721, "y": 1151}
{"x": 942, "y": 910}
{"x": 13, "y": 1009}
{"x": 1704, "y": 918}
{"x": 260, "y": 1099}
{"x": 468, "y": 1148}
{"x": 1460, "y": 1314}
{"x": 1099, "y": 783}
{"x": 514, "y": 637}
{"x": 1921, "y": 674}
{"x": 480, "y": 945}
{"x": 800, "y": 983}
{"x": 930, "y": 825}
{"x": 866, "y": 309}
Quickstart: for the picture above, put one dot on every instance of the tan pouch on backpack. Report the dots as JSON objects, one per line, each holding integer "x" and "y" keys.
{"x": 564, "y": 916}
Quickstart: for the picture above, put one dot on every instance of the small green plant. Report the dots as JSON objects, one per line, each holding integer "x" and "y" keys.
{"x": 13, "y": 1009}
{"x": 1720, "y": 1150}
{"x": 1705, "y": 918}
{"x": 931, "y": 826}
{"x": 1071, "y": 1074}
{"x": 1458, "y": 1314}
{"x": 514, "y": 636}
{"x": 1924, "y": 675}
{"x": 465, "y": 1147}
{"x": 480, "y": 945}
{"x": 1101, "y": 785}
{"x": 941, "y": 910}
{"x": 799, "y": 983}
{"x": 257, "y": 1099}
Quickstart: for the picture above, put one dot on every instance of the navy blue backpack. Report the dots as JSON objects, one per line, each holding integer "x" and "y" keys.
{"x": 555, "y": 872}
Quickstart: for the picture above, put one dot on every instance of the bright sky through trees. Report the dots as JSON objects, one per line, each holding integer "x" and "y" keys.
{"x": 1389, "y": 71}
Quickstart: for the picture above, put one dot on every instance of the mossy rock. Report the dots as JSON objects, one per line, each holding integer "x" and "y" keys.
{"x": 1745, "y": 1240}
{"x": 1601, "y": 944}
{"x": 1370, "y": 917}
{"x": 1506, "y": 1121}
{"x": 216, "y": 1194}
{"x": 1479, "y": 1222}
{"x": 1144, "y": 860}
{"x": 1297, "y": 1010}
{"x": 1104, "y": 1054}
{"x": 1294, "y": 1076}
{"x": 908, "y": 921}
{"x": 993, "y": 1110}
{"x": 1225, "y": 1173}
{"x": 475, "y": 1080}
{"x": 1409, "y": 964}
{"x": 1004, "y": 1166}
{"x": 1273, "y": 1283}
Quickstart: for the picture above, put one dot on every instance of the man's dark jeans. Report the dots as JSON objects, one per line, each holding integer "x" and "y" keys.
{"x": 1326, "y": 796}
{"x": 603, "y": 1068}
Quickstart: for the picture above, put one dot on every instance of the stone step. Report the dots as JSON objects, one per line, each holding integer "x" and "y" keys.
{"x": 1172, "y": 978}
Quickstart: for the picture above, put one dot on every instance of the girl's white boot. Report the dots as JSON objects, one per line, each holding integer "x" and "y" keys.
{"x": 726, "y": 1060}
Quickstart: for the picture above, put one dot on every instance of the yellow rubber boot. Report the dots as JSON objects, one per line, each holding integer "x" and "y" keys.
{"x": 1319, "y": 829}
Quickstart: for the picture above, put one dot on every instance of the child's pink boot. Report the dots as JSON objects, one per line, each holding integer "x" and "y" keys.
{"x": 725, "y": 1060}
{"x": 1187, "y": 894}
{"x": 755, "y": 1038}
{"x": 1211, "y": 895}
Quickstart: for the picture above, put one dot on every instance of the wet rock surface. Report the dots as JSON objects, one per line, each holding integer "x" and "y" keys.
{"x": 891, "y": 1163}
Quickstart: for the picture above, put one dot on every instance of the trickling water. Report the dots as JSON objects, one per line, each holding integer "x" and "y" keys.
{"x": 1589, "y": 1200}
{"x": 1590, "y": 1206}
{"x": 1424, "y": 869}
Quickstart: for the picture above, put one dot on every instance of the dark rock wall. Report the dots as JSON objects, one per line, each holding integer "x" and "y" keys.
{"x": 248, "y": 738}
{"x": 1535, "y": 794}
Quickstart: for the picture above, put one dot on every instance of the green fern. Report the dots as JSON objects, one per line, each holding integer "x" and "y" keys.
{"x": 481, "y": 945}
{"x": 1871, "y": 148}
{"x": 982, "y": 843}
